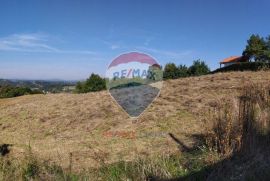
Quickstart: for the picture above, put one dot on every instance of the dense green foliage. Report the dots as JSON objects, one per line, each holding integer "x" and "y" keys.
{"x": 245, "y": 66}
{"x": 10, "y": 91}
{"x": 171, "y": 71}
{"x": 92, "y": 84}
{"x": 182, "y": 71}
{"x": 258, "y": 48}
{"x": 198, "y": 68}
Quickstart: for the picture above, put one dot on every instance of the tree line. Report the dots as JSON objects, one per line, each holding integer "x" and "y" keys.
{"x": 8, "y": 91}
{"x": 171, "y": 71}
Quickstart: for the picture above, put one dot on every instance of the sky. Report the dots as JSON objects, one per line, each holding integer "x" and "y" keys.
{"x": 69, "y": 40}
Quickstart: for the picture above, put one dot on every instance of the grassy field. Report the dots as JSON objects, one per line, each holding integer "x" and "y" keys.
{"x": 73, "y": 133}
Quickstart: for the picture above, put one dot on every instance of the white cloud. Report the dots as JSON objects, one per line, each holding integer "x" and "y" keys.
{"x": 35, "y": 42}
{"x": 112, "y": 45}
{"x": 166, "y": 53}
{"x": 148, "y": 40}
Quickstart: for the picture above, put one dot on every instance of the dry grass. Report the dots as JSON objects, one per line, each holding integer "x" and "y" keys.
{"x": 57, "y": 125}
{"x": 141, "y": 168}
{"x": 239, "y": 125}
{"x": 241, "y": 134}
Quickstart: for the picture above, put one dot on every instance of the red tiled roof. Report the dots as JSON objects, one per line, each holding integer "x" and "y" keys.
{"x": 232, "y": 59}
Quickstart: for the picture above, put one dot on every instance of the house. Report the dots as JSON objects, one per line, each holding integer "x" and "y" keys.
{"x": 233, "y": 60}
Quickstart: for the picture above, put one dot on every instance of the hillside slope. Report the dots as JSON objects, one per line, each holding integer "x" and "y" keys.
{"x": 95, "y": 130}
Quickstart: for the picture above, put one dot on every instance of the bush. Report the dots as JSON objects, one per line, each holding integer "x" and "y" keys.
{"x": 182, "y": 71}
{"x": 198, "y": 68}
{"x": 92, "y": 84}
{"x": 245, "y": 66}
{"x": 171, "y": 71}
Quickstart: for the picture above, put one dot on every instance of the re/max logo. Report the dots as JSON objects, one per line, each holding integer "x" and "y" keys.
{"x": 125, "y": 73}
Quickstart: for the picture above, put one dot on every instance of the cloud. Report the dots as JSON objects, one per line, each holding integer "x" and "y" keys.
{"x": 166, "y": 53}
{"x": 35, "y": 42}
{"x": 148, "y": 40}
{"x": 115, "y": 46}
{"x": 112, "y": 45}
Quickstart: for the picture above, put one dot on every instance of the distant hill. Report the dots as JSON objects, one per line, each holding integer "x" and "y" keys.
{"x": 43, "y": 85}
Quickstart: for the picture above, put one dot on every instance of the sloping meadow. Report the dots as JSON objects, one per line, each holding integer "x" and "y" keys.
{"x": 71, "y": 133}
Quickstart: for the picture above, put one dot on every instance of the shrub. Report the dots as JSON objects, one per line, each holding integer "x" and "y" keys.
{"x": 170, "y": 71}
{"x": 92, "y": 84}
{"x": 198, "y": 68}
{"x": 182, "y": 71}
{"x": 246, "y": 129}
{"x": 224, "y": 135}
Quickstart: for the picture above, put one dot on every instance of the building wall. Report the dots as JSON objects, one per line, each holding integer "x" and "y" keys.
{"x": 230, "y": 63}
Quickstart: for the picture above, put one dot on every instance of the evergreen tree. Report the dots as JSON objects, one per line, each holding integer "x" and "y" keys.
{"x": 256, "y": 48}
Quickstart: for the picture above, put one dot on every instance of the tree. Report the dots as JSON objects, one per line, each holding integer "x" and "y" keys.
{"x": 170, "y": 71}
{"x": 267, "y": 42}
{"x": 79, "y": 87}
{"x": 92, "y": 84}
{"x": 95, "y": 83}
{"x": 267, "y": 51}
{"x": 256, "y": 48}
{"x": 198, "y": 68}
{"x": 182, "y": 71}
